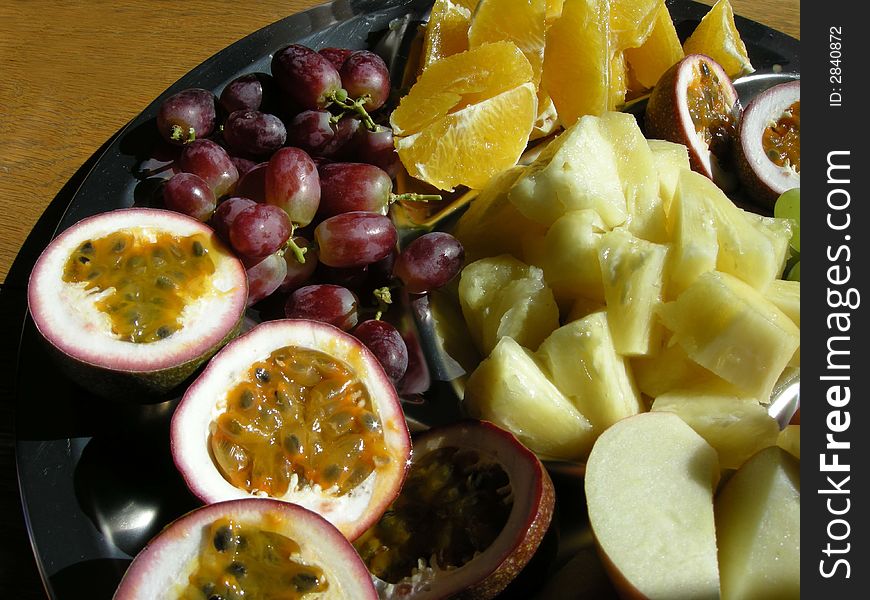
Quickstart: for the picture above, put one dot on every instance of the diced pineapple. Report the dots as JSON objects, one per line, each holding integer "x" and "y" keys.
{"x": 510, "y": 389}
{"x": 583, "y": 307}
{"x": 492, "y": 225}
{"x": 737, "y": 427}
{"x": 693, "y": 232}
{"x": 789, "y": 439}
{"x": 577, "y": 170}
{"x": 501, "y": 296}
{"x": 669, "y": 159}
{"x": 670, "y": 369}
{"x": 778, "y": 232}
{"x": 570, "y": 257}
{"x": 584, "y": 365}
{"x": 728, "y": 327}
{"x": 749, "y": 248}
{"x": 637, "y": 172}
{"x": 632, "y": 271}
{"x": 786, "y": 295}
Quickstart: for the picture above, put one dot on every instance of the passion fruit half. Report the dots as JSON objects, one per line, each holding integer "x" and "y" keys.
{"x": 252, "y": 548}
{"x": 300, "y": 411}
{"x": 473, "y": 511}
{"x": 132, "y": 301}
{"x": 769, "y": 151}
{"x": 695, "y": 104}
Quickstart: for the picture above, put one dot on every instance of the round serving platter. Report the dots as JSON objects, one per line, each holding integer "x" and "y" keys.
{"x": 97, "y": 480}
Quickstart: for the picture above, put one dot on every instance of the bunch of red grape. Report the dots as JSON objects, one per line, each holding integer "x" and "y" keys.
{"x": 294, "y": 173}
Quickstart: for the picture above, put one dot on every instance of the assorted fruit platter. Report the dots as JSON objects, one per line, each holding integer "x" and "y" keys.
{"x": 404, "y": 319}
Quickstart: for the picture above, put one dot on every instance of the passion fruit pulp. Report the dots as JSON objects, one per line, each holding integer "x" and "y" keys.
{"x": 257, "y": 548}
{"x": 768, "y": 153}
{"x": 299, "y": 411}
{"x": 695, "y": 104}
{"x": 132, "y": 301}
{"x": 473, "y": 511}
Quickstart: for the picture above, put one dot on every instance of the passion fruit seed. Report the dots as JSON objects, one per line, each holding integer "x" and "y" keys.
{"x": 239, "y": 561}
{"x": 147, "y": 287}
{"x": 453, "y": 505}
{"x": 299, "y": 413}
{"x": 782, "y": 140}
{"x": 709, "y": 109}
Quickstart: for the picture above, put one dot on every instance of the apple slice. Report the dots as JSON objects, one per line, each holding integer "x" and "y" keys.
{"x": 758, "y": 515}
{"x": 649, "y": 491}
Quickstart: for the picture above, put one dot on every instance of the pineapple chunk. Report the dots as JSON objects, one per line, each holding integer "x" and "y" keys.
{"x": 584, "y": 365}
{"x": 501, "y": 296}
{"x": 786, "y": 295}
{"x": 789, "y": 439}
{"x": 669, "y": 159}
{"x": 510, "y": 389}
{"x": 749, "y": 248}
{"x": 570, "y": 257}
{"x": 670, "y": 369}
{"x": 577, "y": 170}
{"x": 695, "y": 246}
{"x": 492, "y": 225}
{"x": 737, "y": 427}
{"x": 583, "y": 307}
{"x": 637, "y": 172}
{"x": 632, "y": 274}
{"x": 728, "y": 327}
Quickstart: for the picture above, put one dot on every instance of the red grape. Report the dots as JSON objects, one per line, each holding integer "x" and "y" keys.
{"x": 346, "y": 187}
{"x": 336, "y": 56}
{"x": 299, "y": 273}
{"x": 189, "y": 194}
{"x": 247, "y": 92}
{"x": 365, "y": 73}
{"x": 253, "y": 183}
{"x": 260, "y": 230}
{"x": 292, "y": 184}
{"x": 243, "y": 165}
{"x": 376, "y": 148}
{"x": 254, "y": 133}
{"x": 308, "y": 78}
{"x": 225, "y": 214}
{"x": 189, "y": 114}
{"x": 265, "y": 277}
{"x": 314, "y": 132}
{"x": 325, "y": 302}
{"x": 386, "y": 344}
{"x": 355, "y": 239}
{"x": 210, "y": 161}
{"x": 429, "y": 262}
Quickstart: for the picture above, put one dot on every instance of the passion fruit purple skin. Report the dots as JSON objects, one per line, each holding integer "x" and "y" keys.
{"x": 490, "y": 572}
{"x": 116, "y": 369}
{"x": 161, "y": 566}
{"x": 763, "y": 179}
{"x": 189, "y": 429}
{"x": 667, "y": 117}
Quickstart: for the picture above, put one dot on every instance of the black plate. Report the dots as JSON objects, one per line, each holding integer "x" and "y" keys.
{"x": 97, "y": 479}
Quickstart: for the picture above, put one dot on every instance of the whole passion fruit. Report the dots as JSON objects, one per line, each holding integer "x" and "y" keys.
{"x": 769, "y": 150}
{"x": 132, "y": 301}
{"x": 252, "y": 548}
{"x": 300, "y": 411}
{"x": 473, "y": 511}
{"x": 695, "y": 104}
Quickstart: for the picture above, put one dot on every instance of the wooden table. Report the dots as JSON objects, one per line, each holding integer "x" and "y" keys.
{"x": 72, "y": 74}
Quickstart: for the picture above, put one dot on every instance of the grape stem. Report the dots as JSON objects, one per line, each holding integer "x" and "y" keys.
{"x": 297, "y": 251}
{"x": 349, "y": 105}
{"x": 384, "y": 299}
{"x": 414, "y": 197}
{"x": 177, "y": 132}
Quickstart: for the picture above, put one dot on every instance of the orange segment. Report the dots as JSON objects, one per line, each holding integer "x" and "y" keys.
{"x": 577, "y": 60}
{"x": 471, "y": 145}
{"x": 658, "y": 53}
{"x": 631, "y": 21}
{"x": 717, "y": 37}
{"x": 518, "y": 21}
{"x": 460, "y": 80}
{"x": 447, "y": 30}
{"x": 554, "y": 9}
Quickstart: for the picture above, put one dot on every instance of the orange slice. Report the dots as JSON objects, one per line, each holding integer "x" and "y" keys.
{"x": 658, "y": 53}
{"x": 471, "y": 145}
{"x": 554, "y": 9}
{"x": 518, "y": 21}
{"x": 577, "y": 60}
{"x": 631, "y": 21}
{"x": 447, "y": 30}
{"x": 717, "y": 37}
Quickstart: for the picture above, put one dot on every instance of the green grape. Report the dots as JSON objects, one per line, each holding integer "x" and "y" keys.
{"x": 795, "y": 273}
{"x": 788, "y": 206}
